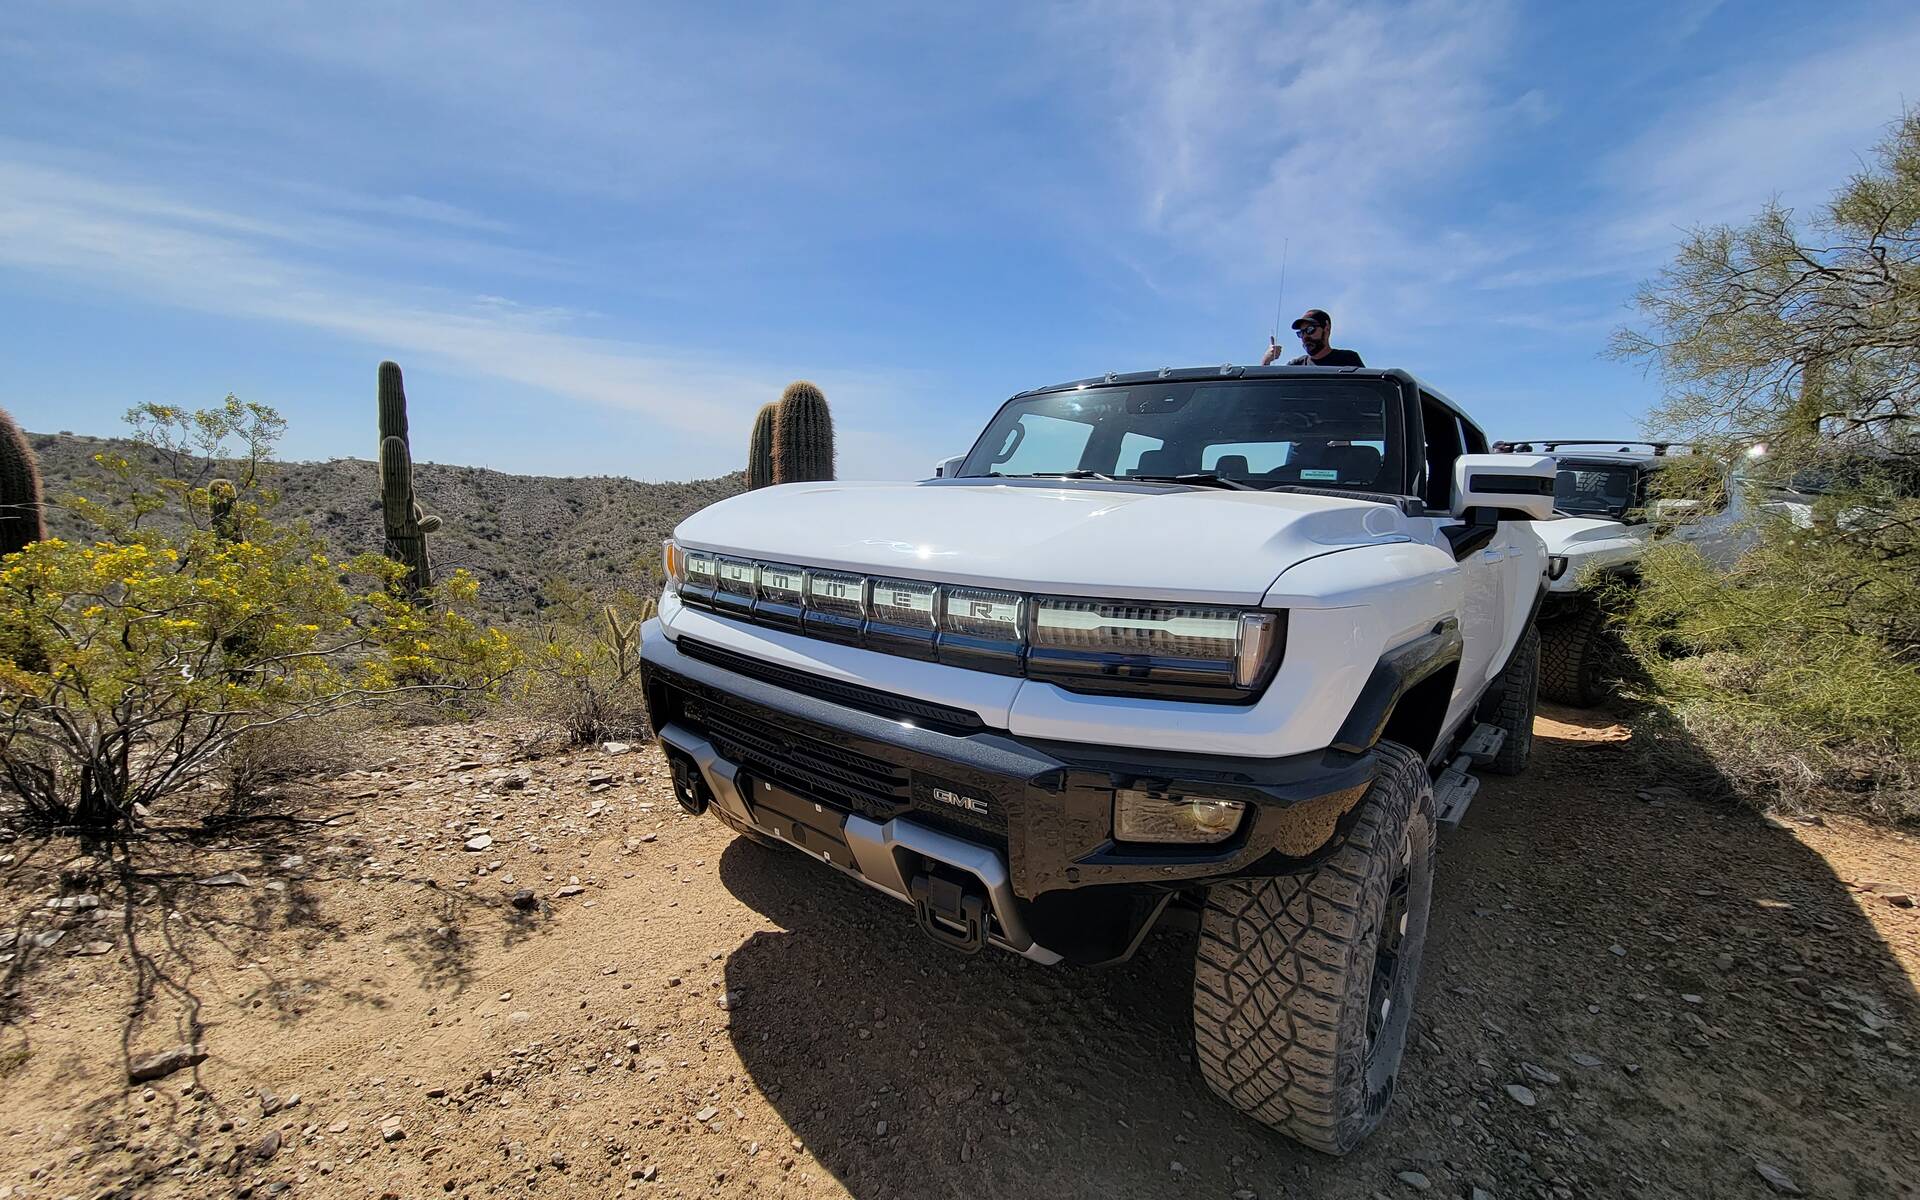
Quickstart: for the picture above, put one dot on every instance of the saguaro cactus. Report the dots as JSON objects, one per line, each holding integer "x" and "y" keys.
{"x": 760, "y": 449}
{"x": 22, "y": 519}
{"x": 221, "y": 498}
{"x": 406, "y": 526}
{"x": 802, "y": 435}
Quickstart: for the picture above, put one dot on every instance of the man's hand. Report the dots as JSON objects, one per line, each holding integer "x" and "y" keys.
{"x": 1273, "y": 352}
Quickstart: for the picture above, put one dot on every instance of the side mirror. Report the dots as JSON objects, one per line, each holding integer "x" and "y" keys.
{"x": 1517, "y": 485}
{"x": 947, "y": 468}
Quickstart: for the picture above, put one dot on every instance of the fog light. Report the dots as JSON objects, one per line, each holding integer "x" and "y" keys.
{"x": 1556, "y": 565}
{"x": 1158, "y": 817}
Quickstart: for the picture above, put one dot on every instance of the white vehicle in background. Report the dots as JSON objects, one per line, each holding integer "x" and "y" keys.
{"x": 1600, "y": 499}
{"x": 1223, "y": 643}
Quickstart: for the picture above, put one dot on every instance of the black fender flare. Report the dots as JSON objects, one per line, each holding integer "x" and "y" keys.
{"x": 1397, "y": 673}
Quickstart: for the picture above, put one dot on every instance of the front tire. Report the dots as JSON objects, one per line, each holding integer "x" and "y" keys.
{"x": 1510, "y": 704}
{"x": 1577, "y": 657}
{"x": 1303, "y": 984}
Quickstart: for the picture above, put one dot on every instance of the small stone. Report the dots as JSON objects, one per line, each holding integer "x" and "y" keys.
{"x": 1692, "y": 998}
{"x": 390, "y": 1130}
{"x": 1617, "y": 950}
{"x": 1415, "y": 1180}
{"x": 1898, "y": 899}
{"x": 726, "y": 1001}
{"x": 706, "y": 1114}
{"x": 1584, "y": 1060}
{"x": 1538, "y": 1074}
{"x": 571, "y": 889}
{"x": 880, "y": 1129}
{"x": 1177, "y": 1167}
{"x": 166, "y": 1062}
{"x": 74, "y": 903}
{"x": 615, "y": 747}
{"x": 1522, "y": 1094}
{"x": 519, "y": 1017}
{"x": 92, "y": 949}
{"x": 267, "y": 1146}
{"x": 1723, "y": 962}
{"x": 1481, "y": 1193}
{"x": 479, "y": 842}
{"x": 226, "y": 879}
{"x": 1777, "y": 1179}
{"x": 435, "y": 1093}
{"x": 524, "y": 900}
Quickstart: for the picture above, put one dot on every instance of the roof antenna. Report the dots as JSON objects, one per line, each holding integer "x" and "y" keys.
{"x": 1280, "y": 306}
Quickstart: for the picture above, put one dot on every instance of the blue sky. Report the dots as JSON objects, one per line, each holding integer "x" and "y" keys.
{"x": 598, "y": 237}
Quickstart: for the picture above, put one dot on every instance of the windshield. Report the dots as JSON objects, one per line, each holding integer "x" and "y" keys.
{"x": 1596, "y": 490}
{"x": 1265, "y": 433}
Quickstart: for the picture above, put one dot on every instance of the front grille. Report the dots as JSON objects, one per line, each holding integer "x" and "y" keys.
{"x": 927, "y": 715}
{"x": 802, "y": 761}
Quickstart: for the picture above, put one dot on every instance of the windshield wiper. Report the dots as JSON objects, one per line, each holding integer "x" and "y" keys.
{"x": 1066, "y": 475}
{"x": 1200, "y": 479}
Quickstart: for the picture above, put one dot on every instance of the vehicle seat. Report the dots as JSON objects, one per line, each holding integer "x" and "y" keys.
{"x": 1156, "y": 462}
{"x": 1233, "y": 466}
{"x": 1358, "y": 465}
{"x": 1354, "y": 466}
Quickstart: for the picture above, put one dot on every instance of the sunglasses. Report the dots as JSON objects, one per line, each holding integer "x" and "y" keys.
{"x": 1307, "y": 327}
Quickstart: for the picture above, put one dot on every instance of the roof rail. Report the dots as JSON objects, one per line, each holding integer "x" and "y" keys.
{"x": 1549, "y": 445}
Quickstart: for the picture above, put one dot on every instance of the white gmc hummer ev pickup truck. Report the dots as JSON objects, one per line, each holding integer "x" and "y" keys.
{"x": 1223, "y": 640}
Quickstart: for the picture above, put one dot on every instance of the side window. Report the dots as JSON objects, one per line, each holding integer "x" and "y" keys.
{"x": 1442, "y": 427}
{"x": 1471, "y": 438}
{"x": 1132, "y": 446}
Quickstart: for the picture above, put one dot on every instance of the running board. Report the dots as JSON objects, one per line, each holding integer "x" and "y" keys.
{"x": 1483, "y": 744}
{"x": 1453, "y": 791}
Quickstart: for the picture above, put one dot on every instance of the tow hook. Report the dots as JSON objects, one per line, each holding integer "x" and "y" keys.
{"x": 952, "y": 913}
{"x": 688, "y": 788}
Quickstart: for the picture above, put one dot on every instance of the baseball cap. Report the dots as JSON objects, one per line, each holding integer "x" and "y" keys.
{"x": 1316, "y": 316}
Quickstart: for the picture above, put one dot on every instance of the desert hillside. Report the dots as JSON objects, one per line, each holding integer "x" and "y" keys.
{"x": 514, "y": 532}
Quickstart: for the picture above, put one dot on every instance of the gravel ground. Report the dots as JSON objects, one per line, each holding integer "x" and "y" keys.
{"x": 505, "y": 973}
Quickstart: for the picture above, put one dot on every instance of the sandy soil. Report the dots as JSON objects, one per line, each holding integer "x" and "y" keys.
{"x": 1684, "y": 990}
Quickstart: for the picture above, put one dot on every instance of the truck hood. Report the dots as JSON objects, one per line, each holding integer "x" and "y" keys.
{"x": 1137, "y": 541}
{"x": 1576, "y": 531}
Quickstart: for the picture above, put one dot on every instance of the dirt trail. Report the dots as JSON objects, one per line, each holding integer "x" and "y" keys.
{"x": 1682, "y": 990}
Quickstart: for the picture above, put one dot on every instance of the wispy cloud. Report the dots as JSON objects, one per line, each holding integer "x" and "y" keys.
{"x": 1325, "y": 125}
{"x": 186, "y": 253}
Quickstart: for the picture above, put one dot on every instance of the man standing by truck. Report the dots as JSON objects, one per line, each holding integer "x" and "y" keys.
{"x": 1315, "y": 330}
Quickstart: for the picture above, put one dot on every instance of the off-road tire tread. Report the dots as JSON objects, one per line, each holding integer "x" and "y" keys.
{"x": 1284, "y": 967}
{"x": 1573, "y": 658}
{"x": 1519, "y": 694}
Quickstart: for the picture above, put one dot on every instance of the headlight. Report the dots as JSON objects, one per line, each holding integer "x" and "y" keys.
{"x": 1179, "y": 646}
{"x": 1157, "y": 817}
{"x": 675, "y": 564}
{"x": 1556, "y": 565}
{"x": 1174, "y": 651}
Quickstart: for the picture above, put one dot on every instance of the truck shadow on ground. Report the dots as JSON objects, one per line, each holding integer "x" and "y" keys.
{"x": 1573, "y": 923}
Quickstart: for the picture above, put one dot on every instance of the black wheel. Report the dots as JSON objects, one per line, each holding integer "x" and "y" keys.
{"x": 1577, "y": 658}
{"x": 1510, "y": 703}
{"x": 1303, "y": 984}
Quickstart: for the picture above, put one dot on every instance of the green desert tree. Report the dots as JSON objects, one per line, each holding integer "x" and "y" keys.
{"x": 1789, "y": 348}
{"x": 132, "y": 662}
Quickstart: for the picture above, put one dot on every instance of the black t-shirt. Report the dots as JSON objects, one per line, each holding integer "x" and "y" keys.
{"x": 1332, "y": 358}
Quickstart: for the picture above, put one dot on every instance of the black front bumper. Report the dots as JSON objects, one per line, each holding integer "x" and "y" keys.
{"x": 1046, "y": 807}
